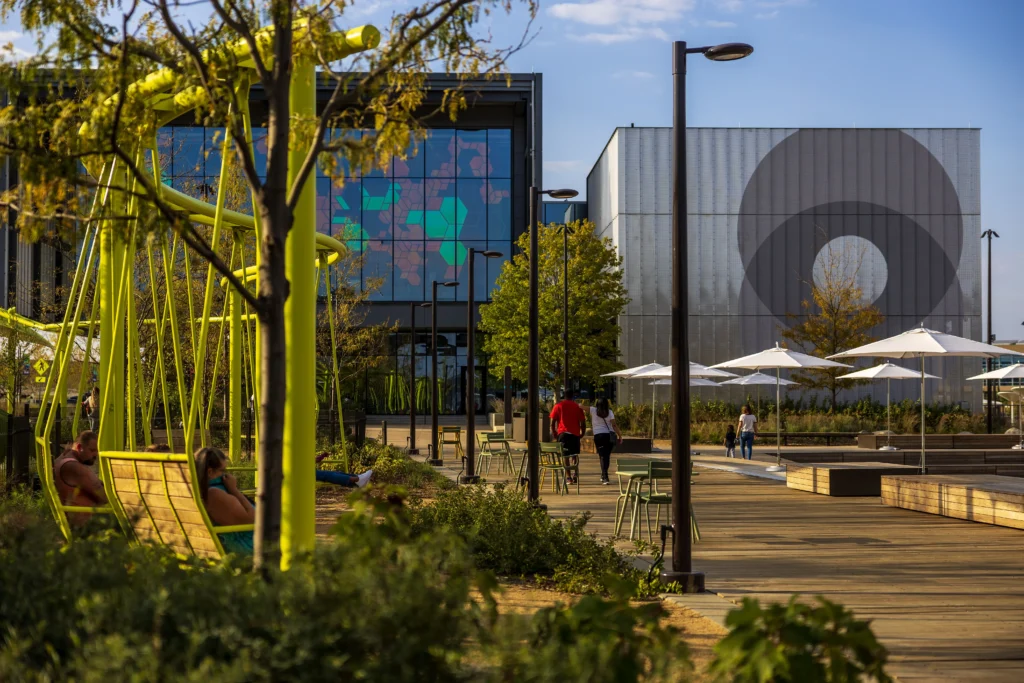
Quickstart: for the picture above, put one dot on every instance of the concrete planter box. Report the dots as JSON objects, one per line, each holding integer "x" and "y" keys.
{"x": 497, "y": 422}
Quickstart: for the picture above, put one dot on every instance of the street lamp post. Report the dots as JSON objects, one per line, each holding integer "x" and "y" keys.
{"x": 434, "y": 459}
{"x": 412, "y": 380}
{"x": 565, "y": 308}
{"x": 991, "y": 393}
{"x": 533, "y": 379}
{"x": 681, "y": 570}
{"x": 471, "y": 475}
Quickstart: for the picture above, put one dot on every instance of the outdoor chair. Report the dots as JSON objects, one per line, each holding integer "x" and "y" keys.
{"x": 497, "y": 446}
{"x": 551, "y": 460}
{"x": 449, "y": 436}
{"x": 626, "y": 493}
{"x": 155, "y": 497}
{"x": 660, "y": 472}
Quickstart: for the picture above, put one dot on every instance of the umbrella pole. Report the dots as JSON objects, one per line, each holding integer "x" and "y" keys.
{"x": 778, "y": 417}
{"x": 888, "y": 413}
{"x": 922, "y": 416}
{"x": 654, "y": 400}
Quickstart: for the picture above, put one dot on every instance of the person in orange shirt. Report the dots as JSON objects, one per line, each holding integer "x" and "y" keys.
{"x": 567, "y": 424}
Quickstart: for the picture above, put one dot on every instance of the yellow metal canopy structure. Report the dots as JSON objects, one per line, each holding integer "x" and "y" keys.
{"x": 124, "y": 288}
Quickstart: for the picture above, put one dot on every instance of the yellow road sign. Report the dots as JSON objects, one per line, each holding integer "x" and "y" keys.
{"x": 41, "y": 366}
{"x": 40, "y": 379}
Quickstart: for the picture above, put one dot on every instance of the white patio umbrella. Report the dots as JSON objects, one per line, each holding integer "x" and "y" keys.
{"x": 921, "y": 343}
{"x": 635, "y": 373}
{"x": 757, "y": 379}
{"x": 888, "y": 372}
{"x": 1015, "y": 371}
{"x": 694, "y": 382}
{"x": 778, "y": 359}
{"x": 697, "y": 371}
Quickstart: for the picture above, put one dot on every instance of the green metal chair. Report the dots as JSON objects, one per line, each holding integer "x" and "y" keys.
{"x": 449, "y": 436}
{"x": 551, "y": 461}
{"x": 626, "y": 492}
{"x": 662, "y": 471}
{"x": 487, "y": 447}
{"x": 499, "y": 447}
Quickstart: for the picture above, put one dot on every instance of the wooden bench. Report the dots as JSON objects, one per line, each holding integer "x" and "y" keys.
{"x": 987, "y": 498}
{"x": 156, "y": 499}
{"x": 842, "y": 479}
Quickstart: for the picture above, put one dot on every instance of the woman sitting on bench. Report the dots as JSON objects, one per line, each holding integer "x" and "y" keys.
{"x": 224, "y": 502}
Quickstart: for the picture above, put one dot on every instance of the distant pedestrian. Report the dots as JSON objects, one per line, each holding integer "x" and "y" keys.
{"x": 92, "y": 403}
{"x": 567, "y": 424}
{"x": 730, "y": 442}
{"x": 748, "y": 430}
{"x": 606, "y": 434}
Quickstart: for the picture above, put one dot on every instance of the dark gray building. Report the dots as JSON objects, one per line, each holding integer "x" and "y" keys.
{"x": 769, "y": 209}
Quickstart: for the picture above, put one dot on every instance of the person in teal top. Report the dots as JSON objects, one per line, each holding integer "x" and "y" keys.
{"x": 225, "y": 504}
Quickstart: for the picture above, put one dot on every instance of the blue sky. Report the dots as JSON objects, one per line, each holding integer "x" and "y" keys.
{"x": 865, "y": 63}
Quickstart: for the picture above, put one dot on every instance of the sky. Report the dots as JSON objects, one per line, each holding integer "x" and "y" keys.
{"x": 817, "y": 63}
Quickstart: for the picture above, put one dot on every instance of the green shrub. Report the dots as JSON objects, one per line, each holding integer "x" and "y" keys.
{"x": 797, "y": 642}
{"x": 595, "y": 640}
{"x": 389, "y": 464}
{"x": 511, "y": 537}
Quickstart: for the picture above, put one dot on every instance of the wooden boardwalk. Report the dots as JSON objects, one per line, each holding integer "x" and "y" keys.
{"x": 945, "y": 596}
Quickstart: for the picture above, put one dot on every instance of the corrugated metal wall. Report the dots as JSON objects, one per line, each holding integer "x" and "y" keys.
{"x": 763, "y": 204}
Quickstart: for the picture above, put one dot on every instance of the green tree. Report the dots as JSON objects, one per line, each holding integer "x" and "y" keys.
{"x": 89, "y": 56}
{"x": 836, "y": 318}
{"x": 596, "y": 299}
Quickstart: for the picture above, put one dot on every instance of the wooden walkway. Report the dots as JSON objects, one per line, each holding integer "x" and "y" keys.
{"x": 945, "y": 596}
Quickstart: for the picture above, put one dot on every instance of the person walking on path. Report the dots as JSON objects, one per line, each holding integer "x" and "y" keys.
{"x": 92, "y": 404}
{"x": 606, "y": 434}
{"x": 748, "y": 430}
{"x": 730, "y": 442}
{"x": 567, "y": 424}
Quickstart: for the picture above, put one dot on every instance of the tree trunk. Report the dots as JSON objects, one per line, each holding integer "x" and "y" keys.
{"x": 273, "y": 287}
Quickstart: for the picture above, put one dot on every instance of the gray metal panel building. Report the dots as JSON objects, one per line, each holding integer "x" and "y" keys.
{"x": 766, "y": 206}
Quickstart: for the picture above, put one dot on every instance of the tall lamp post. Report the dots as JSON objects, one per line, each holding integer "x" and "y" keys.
{"x": 565, "y": 308}
{"x": 412, "y": 379}
{"x": 681, "y": 568}
{"x": 471, "y": 475}
{"x": 533, "y": 380}
{"x": 990, "y": 393}
{"x": 434, "y": 459}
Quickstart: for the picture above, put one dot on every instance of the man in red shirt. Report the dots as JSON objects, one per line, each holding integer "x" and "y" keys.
{"x": 568, "y": 422}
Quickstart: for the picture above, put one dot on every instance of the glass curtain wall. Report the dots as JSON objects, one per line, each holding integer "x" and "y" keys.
{"x": 413, "y": 223}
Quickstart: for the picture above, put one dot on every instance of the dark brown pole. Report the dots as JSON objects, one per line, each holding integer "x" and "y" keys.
{"x": 565, "y": 309}
{"x": 412, "y": 379}
{"x": 434, "y": 458}
{"x": 470, "y": 476}
{"x": 508, "y": 394}
{"x": 533, "y": 380}
{"x": 681, "y": 570}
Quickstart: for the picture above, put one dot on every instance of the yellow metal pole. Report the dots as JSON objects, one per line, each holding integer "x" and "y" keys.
{"x": 237, "y": 385}
{"x": 297, "y": 499}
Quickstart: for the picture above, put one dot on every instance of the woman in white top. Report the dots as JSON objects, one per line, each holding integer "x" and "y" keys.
{"x": 747, "y": 428}
{"x": 602, "y": 420}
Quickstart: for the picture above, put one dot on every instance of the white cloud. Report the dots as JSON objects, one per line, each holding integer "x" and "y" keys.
{"x": 630, "y": 12}
{"x": 634, "y": 75}
{"x": 713, "y": 23}
{"x": 563, "y": 166}
{"x": 623, "y": 35}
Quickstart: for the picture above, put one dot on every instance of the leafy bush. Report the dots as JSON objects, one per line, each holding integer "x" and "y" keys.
{"x": 797, "y": 642}
{"x": 595, "y": 641}
{"x": 385, "y": 603}
{"x": 511, "y": 537}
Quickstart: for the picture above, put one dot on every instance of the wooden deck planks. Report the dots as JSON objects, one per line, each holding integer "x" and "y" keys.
{"x": 944, "y": 595}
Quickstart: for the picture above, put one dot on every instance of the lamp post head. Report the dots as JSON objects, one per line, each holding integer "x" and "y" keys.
{"x": 563, "y": 193}
{"x": 728, "y": 52}
{"x": 490, "y": 253}
{"x": 447, "y": 283}
{"x": 426, "y": 304}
